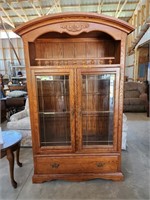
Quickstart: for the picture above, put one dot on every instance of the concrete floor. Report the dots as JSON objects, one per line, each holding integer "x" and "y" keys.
{"x": 135, "y": 166}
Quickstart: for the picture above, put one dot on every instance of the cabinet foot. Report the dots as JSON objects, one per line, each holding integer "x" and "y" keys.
{"x": 39, "y": 178}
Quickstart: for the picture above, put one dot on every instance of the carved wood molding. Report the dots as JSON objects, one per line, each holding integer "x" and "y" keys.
{"x": 74, "y": 27}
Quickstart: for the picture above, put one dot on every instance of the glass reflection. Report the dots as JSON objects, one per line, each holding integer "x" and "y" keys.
{"x": 97, "y": 109}
{"x": 54, "y": 110}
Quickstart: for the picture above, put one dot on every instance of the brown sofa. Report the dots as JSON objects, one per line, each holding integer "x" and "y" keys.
{"x": 135, "y": 97}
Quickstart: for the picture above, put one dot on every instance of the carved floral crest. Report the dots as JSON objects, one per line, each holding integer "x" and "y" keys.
{"x": 74, "y": 26}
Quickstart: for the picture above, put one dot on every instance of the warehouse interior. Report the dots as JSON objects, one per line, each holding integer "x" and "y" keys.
{"x": 16, "y": 82}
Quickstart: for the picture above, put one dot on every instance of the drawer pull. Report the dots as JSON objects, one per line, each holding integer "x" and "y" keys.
{"x": 54, "y": 165}
{"x": 100, "y": 164}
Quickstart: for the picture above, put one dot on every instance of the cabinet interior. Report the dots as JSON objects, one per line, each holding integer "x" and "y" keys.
{"x": 93, "y": 48}
{"x": 96, "y": 109}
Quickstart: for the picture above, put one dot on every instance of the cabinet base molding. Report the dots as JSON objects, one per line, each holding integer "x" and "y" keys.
{"x": 40, "y": 178}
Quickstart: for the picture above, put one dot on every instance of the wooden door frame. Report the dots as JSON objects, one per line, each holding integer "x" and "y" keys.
{"x": 78, "y": 86}
{"x": 35, "y": 119}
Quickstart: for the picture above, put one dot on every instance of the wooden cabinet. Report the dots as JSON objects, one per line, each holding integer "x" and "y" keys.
{"x": 75, "y": 76}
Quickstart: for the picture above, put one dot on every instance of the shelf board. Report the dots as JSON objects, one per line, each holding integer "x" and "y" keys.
{"x": 18, "y": 66}
{"x": 95, "y": 93}
{"x": 54, "y": 113}
{"x": 54, "y": 95}
{"x": 77, "y": 65}
{"x": 96, "y": 112}
{"x": 68, "y": 59}
{"x": 15, "y": 77}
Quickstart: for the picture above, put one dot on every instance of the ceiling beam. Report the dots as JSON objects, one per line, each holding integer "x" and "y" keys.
{"x": 35, "y": 9}
{"x": 7, "y": 22}
{"x": 85, "y": 5}
{"x": 121, "y": 8}
{"x": 20, "y": 4}
{"x": 106, "y": 11}
{"x": 9, "y": 19}
{"x": 138, "y": 4}
{"x": 40, "y": 6}
{"x": 52, "y": 8}
{"x": 56, "y": 5}
{"x": 15, "y": 11}
{"x": 127, "y": 14}
{"x": 109, "y": 2}
{"x": 100, "y": 5}
{"x": 117, "y": 8}
{"x": 79, "y": 5}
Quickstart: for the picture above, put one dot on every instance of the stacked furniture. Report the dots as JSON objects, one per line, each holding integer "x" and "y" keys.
{"x": 15, "y": 98}
{"x": 135, "y": 97}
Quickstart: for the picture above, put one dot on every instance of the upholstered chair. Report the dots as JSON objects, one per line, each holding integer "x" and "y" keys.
{"x": 21, "y": 122}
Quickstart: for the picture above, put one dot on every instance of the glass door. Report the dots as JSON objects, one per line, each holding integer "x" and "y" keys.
{"x": 55, "y": 110}
{"x": 96, "y": 109}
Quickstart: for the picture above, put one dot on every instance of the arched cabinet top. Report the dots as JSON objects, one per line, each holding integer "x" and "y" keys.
{"x": 73, "y": 24}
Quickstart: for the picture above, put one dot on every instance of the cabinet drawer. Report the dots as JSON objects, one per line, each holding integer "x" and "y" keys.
{"x": 84, "y": 164}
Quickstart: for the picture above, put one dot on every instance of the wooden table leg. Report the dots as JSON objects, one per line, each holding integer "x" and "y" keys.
{"x": 17, "y": 156}
{"x": 10, "y": 157}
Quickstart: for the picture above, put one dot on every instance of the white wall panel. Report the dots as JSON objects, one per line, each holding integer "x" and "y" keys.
{"x": 7, "y": 55}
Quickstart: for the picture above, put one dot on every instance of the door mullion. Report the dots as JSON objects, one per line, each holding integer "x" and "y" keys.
{"x": 78, "y": 92}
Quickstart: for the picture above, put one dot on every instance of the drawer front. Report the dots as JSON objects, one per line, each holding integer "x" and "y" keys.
{"x": 67, "y": 165}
